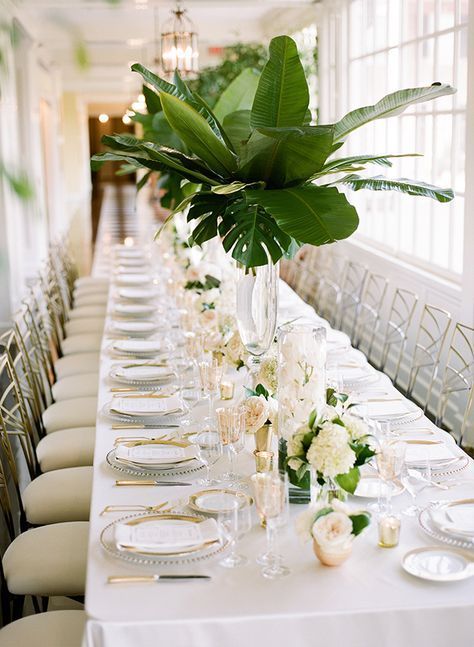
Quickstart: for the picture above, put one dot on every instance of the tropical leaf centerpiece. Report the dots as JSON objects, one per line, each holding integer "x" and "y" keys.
{"x": 269, "y": 181}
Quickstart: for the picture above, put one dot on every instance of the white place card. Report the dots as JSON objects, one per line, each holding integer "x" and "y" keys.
{"x": 166, "y": 535}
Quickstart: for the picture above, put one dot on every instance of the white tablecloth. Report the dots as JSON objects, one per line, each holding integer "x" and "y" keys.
{"x": 367, "y": 602}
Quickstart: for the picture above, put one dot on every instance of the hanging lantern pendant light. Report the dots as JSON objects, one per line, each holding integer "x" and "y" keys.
{"x": 179, "y": 45}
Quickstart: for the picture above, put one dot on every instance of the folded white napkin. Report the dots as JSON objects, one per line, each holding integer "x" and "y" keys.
{"x": 458, "y": 519}
{"x": 134, "y": 326}
{"x": 434, "y": 453}
{"x": 156, "y": 454}
{"x": 389, "y": 408}
{"x": 137, "y": 345}
{"x": 143, "y": 372}
{"x": 137, "y": 293}
{"x": 146, "y": 406}
{"x": 133, "y": 279}
{"x": 133, "y": 308}
{"x": 165, "y": 535}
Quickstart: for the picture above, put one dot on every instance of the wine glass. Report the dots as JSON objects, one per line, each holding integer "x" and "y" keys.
{"x": 235, "y": 523}
{"x": 210, "y": 451}
{"x": 211, "y": 370}
{"x": 271, "y": 494}
{"x": 231, "y": 427}
{"x": 390, "y": 460}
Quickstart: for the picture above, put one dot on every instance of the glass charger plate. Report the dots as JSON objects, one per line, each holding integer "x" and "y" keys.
{"x": 116, "y": 374}
{"x": 208, "y": 552}
{"x": 431, "y": 529}
{"x": 216, "y": 500}
{"x": 161, "y": 419}
{"x": 192, "y": 467}
{"x": 456, "y": 466}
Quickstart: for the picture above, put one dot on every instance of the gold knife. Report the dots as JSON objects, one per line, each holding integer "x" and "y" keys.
{"x": 137, "y": 579}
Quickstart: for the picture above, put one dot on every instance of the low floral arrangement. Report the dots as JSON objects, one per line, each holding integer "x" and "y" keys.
{"x": 334, "y": 442}
{"x": 260, "y": 409}
{"x": 332, "y": 528}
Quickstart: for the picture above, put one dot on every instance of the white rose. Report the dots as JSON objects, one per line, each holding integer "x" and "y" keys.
{"x": 256, "y": 412}
{"x": 234, "y": 350}
{"x": 304, "y": 523}
{"x": 208, "y": 318}
{"x": 333, "y": 531}
{"x": 272, "y": 410}
{"x": 355, "y": 426}
{"x": 330, "y": 453}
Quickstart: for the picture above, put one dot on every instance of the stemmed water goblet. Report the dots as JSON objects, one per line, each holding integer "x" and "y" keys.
{"x": 210, "y": 451}
{"x": 390, "y": 461}
{"x": 231, "y": 427}
{"x": 271, "y": 495}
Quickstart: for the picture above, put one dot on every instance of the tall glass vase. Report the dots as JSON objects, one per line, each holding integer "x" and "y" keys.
{"x": 257, "y": 307}
{"x": 301, "y": 374}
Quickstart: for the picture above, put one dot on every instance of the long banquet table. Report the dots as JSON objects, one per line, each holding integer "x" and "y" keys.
{"x": 368, "y": 602}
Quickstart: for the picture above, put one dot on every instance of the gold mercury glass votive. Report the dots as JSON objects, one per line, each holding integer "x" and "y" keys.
{"x": 227, "y": 390}
{"x": 389, "y": 531}
{"x": 263, "y": 461}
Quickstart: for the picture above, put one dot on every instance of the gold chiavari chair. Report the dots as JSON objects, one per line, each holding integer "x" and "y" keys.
{"x": 430, "y": 339}
{"x": 396, "y": 331}
{"x": 350, "y": 298}
{"x": 39, "y": 562}
{"x": 455, "y": 404}
{"x": 370, "y": 308}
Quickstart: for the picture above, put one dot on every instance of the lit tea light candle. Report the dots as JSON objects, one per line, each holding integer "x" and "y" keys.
{"x": 389, "y": 531}
{"x": 227, "y": 390}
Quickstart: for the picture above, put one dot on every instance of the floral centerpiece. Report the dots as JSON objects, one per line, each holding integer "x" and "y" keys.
{"x": 332, "y": 528}
{"x": 329, "y": 448}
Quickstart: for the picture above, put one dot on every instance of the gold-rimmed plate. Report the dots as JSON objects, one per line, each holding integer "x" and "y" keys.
{"x": 206, "y": 550}
{"x": 371, "y": 486}
{"x": 218, "y": 500}
{"x": 172, "y": 462}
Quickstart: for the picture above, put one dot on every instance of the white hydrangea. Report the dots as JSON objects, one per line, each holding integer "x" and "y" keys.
{"x": 295, "y": 449}
{"x": 356, "y": 427}
{"x": 330, "y": 453}
{"x": 268, "y": 374}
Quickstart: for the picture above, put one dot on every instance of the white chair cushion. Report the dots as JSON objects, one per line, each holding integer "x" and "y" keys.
{"x": 60, "y": 495}
{"x": 50, "y": 629}
{"x": 72, "y": 447}
{"x": 77, "y": 364}
{"x": 76, "y": 412}
{"x": 91, "y": 280}
{"x": 84, "y": 343}
{"x": 85, "y": 312}
{"x": 76, "y": 386}
{"x": 50, "y": 560}
{"x": 85, "y": 325}
{"x": 92, "y": 299}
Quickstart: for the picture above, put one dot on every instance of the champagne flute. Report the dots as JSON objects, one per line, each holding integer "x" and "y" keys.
{"x": 211, "y": 371}
{"x": 271, "y": 494}
{"x": 231, "y": 427}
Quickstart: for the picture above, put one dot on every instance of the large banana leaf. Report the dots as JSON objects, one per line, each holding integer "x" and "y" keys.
{"x": 357, "y": 163}
{"x": 403, "y": 185}
{"x": 138, "y": 162}
{"x": 152, "y": 100}
{"x": 282, "y": 95}
{"x": 191, "y": 168}
{"x": 163, "y": 133}
{"x": 238, "y": 129}
{"x": 182, "y": 92}
{"x": 238, "y": 95}
{"x": 315, "y": 215}
{"x": 198, "y": 136}
{"x": 122, "y": 142}
{"x": 249, "y": 232}
{"x": 283, "y": 156}
{"x": 391, "y": 105}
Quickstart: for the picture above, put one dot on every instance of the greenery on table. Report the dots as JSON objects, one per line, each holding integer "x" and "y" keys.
{"x": 269, "y": 181}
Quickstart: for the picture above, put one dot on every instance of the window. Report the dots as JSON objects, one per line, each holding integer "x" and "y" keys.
{"x": 369, "y": 48}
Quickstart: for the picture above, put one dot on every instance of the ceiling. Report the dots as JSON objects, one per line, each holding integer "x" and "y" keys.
{"x": 116, "y": 34}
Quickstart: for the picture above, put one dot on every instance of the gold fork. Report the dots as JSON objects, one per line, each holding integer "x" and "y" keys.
{"x": 135, "y": 507}
{"x": 126, "y": 439}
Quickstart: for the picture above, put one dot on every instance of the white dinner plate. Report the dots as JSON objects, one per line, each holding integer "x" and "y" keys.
{"x": 146, "y": 406}
{"x": 138, "y": 294}
{"x": 137, "y": 346}
{"x": 439, "y": 564}
{"x": 371, "y": 486}
{"x": 133, "y": 327}
{"x": 137, "y": 372}
{"x": 133, "y": 279}
{"x": 455, "y": 518}
{"x": 134, "y": 309}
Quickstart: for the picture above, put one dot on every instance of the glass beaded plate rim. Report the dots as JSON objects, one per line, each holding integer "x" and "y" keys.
{"x": 149, "y": 472}
{"x": 138, "y": 558}
{"x": 424, "y": 521}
